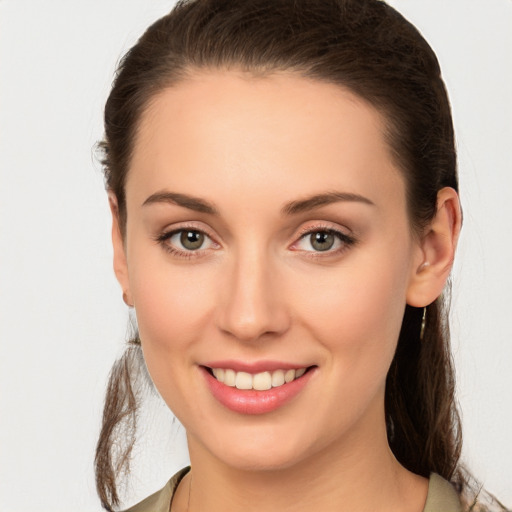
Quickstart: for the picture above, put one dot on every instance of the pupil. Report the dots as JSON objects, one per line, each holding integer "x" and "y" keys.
{"x": 191, "y": 240}
{"x": 322, "y": 241}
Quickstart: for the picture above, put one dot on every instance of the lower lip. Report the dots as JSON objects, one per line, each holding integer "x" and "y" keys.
{"x": 255, "y": 402}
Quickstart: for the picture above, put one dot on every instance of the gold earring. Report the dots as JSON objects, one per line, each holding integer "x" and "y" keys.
{"x": 423, "y": 323}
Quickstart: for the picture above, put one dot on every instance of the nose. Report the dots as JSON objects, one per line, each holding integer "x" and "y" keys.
{"x": 252, "y": 305}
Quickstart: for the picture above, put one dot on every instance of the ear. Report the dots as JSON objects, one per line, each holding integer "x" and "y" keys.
{"x": 120, "y": 263}
{"x": 436, "y": 251}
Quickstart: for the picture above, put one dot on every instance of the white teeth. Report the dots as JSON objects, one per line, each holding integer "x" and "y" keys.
{"x": 229, "y": 378}
{"x": 219, "y": 374}
{"x": 260, "y": 381}
{"x": 243, "y": 380}
{"x": 277, "y": 378}
{"x": 300, "y": 372}
{"x": 289, "y": 375}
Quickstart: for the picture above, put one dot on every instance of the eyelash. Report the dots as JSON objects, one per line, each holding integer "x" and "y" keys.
{"x": 164, "y": 237}
{"x": 346, "y": 240}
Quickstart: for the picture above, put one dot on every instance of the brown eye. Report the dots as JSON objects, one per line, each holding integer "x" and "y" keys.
{"x": 191, "y": 240}
{"x": 322, "y": 240}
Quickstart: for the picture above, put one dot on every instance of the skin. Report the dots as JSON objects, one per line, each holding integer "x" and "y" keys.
{"x": 258, "y": 290}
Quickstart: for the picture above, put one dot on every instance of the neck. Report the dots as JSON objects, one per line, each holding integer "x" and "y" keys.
{"x": 360, "y": 473}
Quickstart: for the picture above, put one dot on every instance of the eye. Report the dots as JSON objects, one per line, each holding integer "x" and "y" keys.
{"x": 190, "y": 240}
{"x": 186, "y": 241}
{"x": 323, "y": 240}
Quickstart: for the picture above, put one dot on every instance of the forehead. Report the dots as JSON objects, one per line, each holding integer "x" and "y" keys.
{"x": 280, "y": 132}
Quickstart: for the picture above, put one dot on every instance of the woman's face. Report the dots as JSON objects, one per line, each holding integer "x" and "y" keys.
{"x": 267, "y": 232}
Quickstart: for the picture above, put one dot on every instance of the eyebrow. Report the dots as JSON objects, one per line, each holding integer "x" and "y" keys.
{"x": 184, "y": 200}
{"x": 292, "y": 208}
{"x": 318, "y": 200}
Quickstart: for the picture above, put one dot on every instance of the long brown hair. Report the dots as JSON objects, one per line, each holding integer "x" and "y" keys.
{"x": 363, "y": 45}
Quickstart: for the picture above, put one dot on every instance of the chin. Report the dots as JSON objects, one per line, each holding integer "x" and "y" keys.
{"x": 259, "y": 448}
{"x": 259, "y": 460}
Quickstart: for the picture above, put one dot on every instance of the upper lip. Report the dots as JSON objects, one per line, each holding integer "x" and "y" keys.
{"x": 254, "y": 366}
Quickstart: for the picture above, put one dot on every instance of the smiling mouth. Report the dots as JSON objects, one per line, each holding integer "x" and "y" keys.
{"x": 262, "y": 381}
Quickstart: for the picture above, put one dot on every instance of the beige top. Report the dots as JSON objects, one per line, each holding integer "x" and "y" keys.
{"x": 441, "y": 496}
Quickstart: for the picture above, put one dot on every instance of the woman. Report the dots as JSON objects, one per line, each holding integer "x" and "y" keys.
{"x": 282, "y": 180}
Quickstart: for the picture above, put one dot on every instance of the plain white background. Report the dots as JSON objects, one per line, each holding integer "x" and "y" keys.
{"x": 62, "y": 320}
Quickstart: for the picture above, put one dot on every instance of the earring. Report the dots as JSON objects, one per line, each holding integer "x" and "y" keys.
{"x": 423, "y": 323}
{"x": 125, "y": 299}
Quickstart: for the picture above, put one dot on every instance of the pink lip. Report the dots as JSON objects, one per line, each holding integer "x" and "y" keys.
{"x": 252, "y": 401}
{"x": 254, "y": 367}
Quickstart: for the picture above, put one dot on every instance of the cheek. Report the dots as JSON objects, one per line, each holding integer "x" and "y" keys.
{"x": 356, "y": 313}
{"x": 173, "y": 304}
{"x": 170, "y": 307}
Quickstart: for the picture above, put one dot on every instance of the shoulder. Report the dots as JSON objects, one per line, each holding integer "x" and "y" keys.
{"x": 476, "y": 499}
{"x": 441, "y": 496}
{"x": 160, "y": 501}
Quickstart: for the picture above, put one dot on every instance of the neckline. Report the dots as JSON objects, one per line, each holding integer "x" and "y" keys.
{"x": 441, "y": 496}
